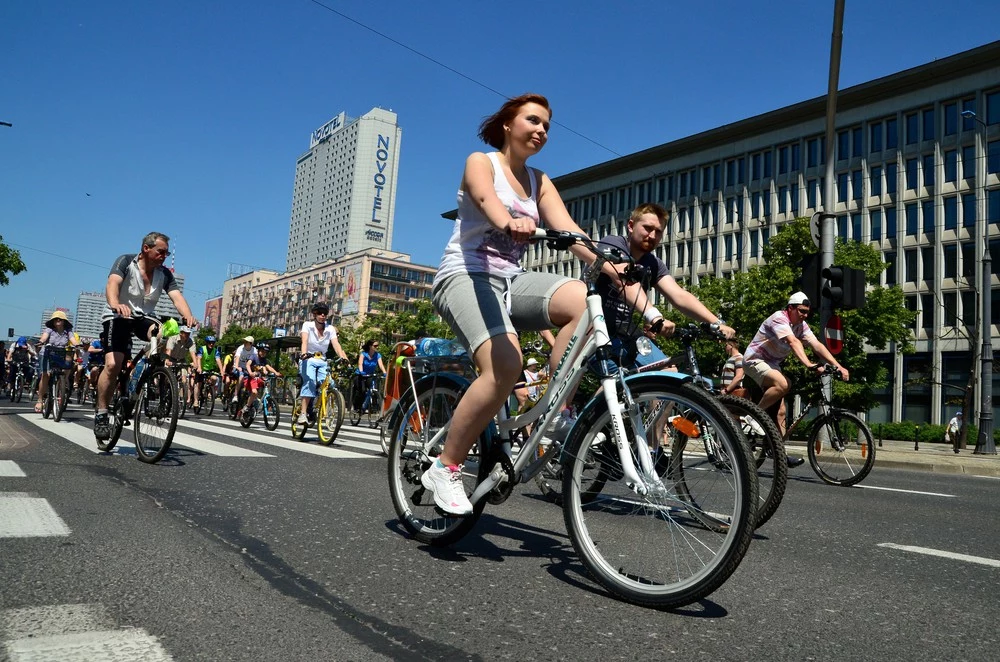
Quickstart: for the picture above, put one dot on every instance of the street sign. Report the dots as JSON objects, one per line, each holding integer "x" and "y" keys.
{"x": 814, "y": 228}
{"x": 833, "y": 334}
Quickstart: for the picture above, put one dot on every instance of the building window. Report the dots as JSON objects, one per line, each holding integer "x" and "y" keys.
{"x": 928, "y": 170}
{"x": 993, "y": 205}
{"x": 927, "y": 304}
{"x": 796, "y": 163}
{"x": 811, "y": 194}
{"x": 856, "y": 186}
{"x": 783, "y": 160}
{"x": 842, "y": 187}
{"x": 875, "y": 216}
{"x": 968, "y": 123}
{"x": 891, "y": 133}
{"x": 731, "y": 172}
{"x": 910, "y": 266}
{"x": 969, "y": 162}
{"x": 993, "y": 107}
{"x": 950, "y": 301}
{"x": 768, "y": 167}
{"x": 842, "y": 228}
{"x": 812, "y": 152}
{"x": 794, "y": 193}
{"x": 843, "y": 145}
{"x": 706, "y": 179}
{"x": 951, "y": 166}
{"x": 927, "y": 207}
{"x": 856, "y": 226}
{"x": 911, "y": 219}
{"x": 891, "y": 175}
{"x": 754, "y": 243}
{"x": 857, "y": 147}
{"x": 728, "y": 244}
{"x": 968, "y": 260}
{"x": 755, "y": 167}
{"x": 875, "y": 137}
{"x": 741, "y": 170}
{"x": 912, "y": 129}
{"x": 782, "y": 197}
{"x": 993, "y": 157}
{"x": 950, "y": 119}
{"x": 890, "y": 223}
{"x": 890, "y": 271}
{"x": 927, "y": 258}
{"x": 969, "y": 210}
{"x": 950, "y": 212}
{"x": 911, "y": 174}
{"x": 928, "y": 120}
{"x": 875, "y": 181}
{"x": 767, "y": 204}
{"x": 950, "y": 260}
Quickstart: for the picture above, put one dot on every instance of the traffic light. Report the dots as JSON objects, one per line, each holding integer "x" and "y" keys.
{"x": 845, "y": 287}
{"x": 10, "y": 332}
{"x": 808, "y": 281}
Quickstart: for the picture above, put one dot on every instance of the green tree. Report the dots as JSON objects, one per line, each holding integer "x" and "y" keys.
{"x": 10, "y": 262}
{"x": 750, "y": 297}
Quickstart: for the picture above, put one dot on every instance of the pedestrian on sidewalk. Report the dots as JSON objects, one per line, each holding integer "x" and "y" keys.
{"x": 951, "y": 433}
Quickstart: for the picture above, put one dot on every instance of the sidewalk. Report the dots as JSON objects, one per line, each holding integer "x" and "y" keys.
{"x": 939, "y": 458}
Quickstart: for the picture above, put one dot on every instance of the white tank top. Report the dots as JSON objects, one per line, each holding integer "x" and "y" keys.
{"x": 477, "y": 246}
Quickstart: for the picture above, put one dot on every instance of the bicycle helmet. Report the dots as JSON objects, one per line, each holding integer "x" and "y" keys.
{"x": 209, "y": 339}
{"x": 263, "y": 346}
{"x": 185, "y": 329}
{"x": 21, "y": 342}
{"x": 321, "y": 307}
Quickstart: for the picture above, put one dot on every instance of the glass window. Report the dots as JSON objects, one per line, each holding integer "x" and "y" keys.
{"x": 843, "y": 145}
{"x": 951, "y": 165}
{"x": 856, "y": 142}
{"x": 993, "y": 107}
{"x": 811, "y": 186}
{"x": 912, "y": 129}
{"x": 842, "y": 228}
{"x": 793, "y": 193}
{"x": 950, "y": 119}
{"x": 993, "y": 157}
{"x": 680, "y": 254}
{"x": 891, "y": 133}
{"x": 910, "y": 266}
{"x": 796, "y": 163}
{"x": 969, "y": 162}
{"x": 968, "y": 123}
{"x": 928, "y": 170}
{"x": 890, "y": 272}
{"x": 842, "y": 187}
{"x": 728, "y": 243}
{"x": 754, "y": 243}
{"x": 969, "y": 210}
{"x": 950, "y": 212}
{"x": 741, "y": 170}
{"x": 875, "y": 181}
{"x": 928, "y": 121}
{"x": 767, "y": 204}
{"x": 782, "y": 196}
{"x": 927, "y": 207}
{"x": 968, "y": 260}
{"x": 912, "y": 224}
{"x": 927, "y": 257}
{"x": 890, "y": 223}
{"x": 950, "y": 301}
{"x": 783, "y": 160}
{"x": 856, "y": 187}
{"x": 703, "y": 248}
{"x": 755, "y": 167}
{"x": 993, "y": 205}
{"x": 970, "y": 312}
{"x": 891, "y": 175}
{"x": 911, "y": 174}
{"x": 768, "y": 168}
{"x": 875, "y": 136}
{"x": 755, "y": 205}
{"x": 856, "y": 226}
{"x": 812, "y": 152}
{"x": 730, "y": 172}
{"x": 950, "y": 260}
{"x": 706, "y": 179}
{"x": 927, "y": 304}
{"x": 875, "y": 216}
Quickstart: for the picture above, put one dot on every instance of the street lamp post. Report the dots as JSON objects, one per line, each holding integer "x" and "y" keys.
{"x": 984, "y": 442}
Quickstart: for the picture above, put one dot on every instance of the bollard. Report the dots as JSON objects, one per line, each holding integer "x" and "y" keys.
{"x": 880, "y": 435}
{"x": 916, "y": 438}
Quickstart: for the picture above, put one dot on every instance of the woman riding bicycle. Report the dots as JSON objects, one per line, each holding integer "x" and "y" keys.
{"x": 368, "y": 360}
{"x": 480, "y": 288}
{"x": 53, "y": 343}
{"x": 317, "y": 337}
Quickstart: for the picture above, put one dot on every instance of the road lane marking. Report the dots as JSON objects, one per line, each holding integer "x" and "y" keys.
{"x": 272, "y": 439}
{"x": 83, "y": 437}
{"x": 26, "y": 516}
{"x": 9, "y": 469}
{"x": 893, "y": 489}
{"x": 993, "y": 563}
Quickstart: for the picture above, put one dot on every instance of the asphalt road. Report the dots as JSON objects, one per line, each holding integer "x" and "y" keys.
{"x": 251, "y": 546}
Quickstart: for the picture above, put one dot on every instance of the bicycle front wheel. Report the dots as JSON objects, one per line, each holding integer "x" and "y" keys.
{"x": 271, "y": 412}
{"x": 354, "y": 413}
{"x": 841, "y": 451}
{"x": 330, "y": 416}
{"x": 298, "y": 429}
{"x": 156, "y": 414}
{"x": 767, "y": 449}
{"x": 654, "y": 549}
{"x": 416, "y": 421}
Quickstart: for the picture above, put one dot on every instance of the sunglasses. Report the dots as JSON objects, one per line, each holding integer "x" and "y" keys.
{"x": 160, "y": 251}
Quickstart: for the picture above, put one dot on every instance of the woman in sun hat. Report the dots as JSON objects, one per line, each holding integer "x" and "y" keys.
{"x": 53, "y": 344}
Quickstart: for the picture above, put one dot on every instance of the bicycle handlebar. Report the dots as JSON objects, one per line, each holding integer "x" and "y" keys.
{"x": 561, "y": 240}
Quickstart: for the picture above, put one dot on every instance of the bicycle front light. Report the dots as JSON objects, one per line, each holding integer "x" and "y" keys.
{"x": 643, "y": 346}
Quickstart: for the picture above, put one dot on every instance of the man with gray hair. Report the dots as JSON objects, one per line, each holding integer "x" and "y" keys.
{"x": 133, "y": 289}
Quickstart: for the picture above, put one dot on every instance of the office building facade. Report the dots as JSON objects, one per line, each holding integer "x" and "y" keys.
{"x": 915, "y": 178}
{"x": 344, "y": 196}
{"x": 89, "y": 306}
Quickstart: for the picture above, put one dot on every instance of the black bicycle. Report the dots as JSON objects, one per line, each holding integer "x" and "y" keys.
{"x": 367, "y": 402}
{"x": 145, "y": 397}
{"x": 58, "y": 392}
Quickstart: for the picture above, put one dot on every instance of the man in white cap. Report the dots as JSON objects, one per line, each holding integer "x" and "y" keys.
{"x": 783, "y": 333}
{"x": 244, "y": 353}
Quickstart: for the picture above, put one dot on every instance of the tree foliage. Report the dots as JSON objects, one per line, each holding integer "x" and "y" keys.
{"x": 10, "y": 262}
{"x": 750, "y": 297}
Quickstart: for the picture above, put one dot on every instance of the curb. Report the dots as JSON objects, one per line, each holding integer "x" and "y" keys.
{"x": 992, "y": 472}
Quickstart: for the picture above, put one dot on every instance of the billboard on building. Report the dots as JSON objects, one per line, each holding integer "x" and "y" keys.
{"x": 213, "y": 314}
{"x": 352, "y": 289}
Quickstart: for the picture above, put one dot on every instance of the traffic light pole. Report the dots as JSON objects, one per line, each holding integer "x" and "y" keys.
{"x": 827, "y": 217}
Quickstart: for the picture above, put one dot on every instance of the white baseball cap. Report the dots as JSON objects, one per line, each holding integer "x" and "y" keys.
{"x": 798, "y": 299}
{"x": 532, "y": 362}
{"x": 248, "y": 339}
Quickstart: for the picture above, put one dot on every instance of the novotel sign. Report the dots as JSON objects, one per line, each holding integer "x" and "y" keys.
{"x": 381, "y": 163}
{"x": 327, "y": 130}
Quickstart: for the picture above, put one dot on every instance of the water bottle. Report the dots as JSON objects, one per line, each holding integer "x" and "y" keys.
{"x": 133, "y": 382}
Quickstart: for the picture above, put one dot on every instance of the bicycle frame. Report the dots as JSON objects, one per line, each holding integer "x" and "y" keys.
{"x": 821, "y": 403}
{"x": 590, "y": 338}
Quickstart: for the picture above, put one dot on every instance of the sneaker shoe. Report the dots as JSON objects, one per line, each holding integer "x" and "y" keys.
{"x": 448, "y": 489}
{"x": 303, "y": 419}
{"x": 560, "y": 428}
{"x": 794, "y": 461}
{"x": 102, "y": 427}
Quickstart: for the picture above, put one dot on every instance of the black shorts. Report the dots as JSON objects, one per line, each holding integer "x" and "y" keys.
{"x": 118, "y": 333}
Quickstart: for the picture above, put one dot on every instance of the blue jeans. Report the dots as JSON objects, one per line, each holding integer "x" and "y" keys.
{"x": 313, "y": 372}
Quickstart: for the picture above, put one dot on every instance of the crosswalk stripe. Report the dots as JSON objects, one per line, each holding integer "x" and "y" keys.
{"x": 26, "y": 516}
{"x": 351, "y": 437}
{"x": 83, "y": 437}
{"x": 280, "y": 441}
{"x": 9, "y": 469}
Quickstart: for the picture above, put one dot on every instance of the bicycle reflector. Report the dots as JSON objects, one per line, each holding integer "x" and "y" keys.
{"x": 686, "y": 427}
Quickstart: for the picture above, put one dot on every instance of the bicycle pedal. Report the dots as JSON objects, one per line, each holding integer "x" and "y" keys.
{"x": 443, "y": 513}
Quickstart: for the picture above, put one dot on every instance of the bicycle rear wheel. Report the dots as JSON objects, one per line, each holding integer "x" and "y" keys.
{"x": 48, "y": 404}
{"x": 330, "y": 416}
{"x": 117, "y": 423}
{"x": 298, "y": 429}
{"x": 654, "y": 549}
{"x": 415, "y": 422}
{"x": 156, "y": 414}
{"x": 271, "y": 412}
{"x": 841, "y": 451}
{"x": 353, "y": 413}
{"x": 62, "y": 397}
{"x": 768, "y": 453}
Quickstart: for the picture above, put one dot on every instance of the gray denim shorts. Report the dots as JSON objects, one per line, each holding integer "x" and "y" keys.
{"x": 475, "y": 304}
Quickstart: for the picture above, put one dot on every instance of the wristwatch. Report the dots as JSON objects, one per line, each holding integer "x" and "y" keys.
{"x": 717, "y": 324}
{"x": 657, "y": 325}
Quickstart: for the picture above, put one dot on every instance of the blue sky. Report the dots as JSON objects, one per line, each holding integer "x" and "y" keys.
{"x": 186, "y": 117}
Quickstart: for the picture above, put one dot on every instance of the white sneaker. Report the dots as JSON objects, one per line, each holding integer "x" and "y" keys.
{"x": 560, "y": 428}
{"x": 448, "y": 489}
{"x": 303, "y": 418}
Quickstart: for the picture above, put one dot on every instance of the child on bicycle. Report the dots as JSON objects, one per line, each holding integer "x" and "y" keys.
{"x": 480, "y": 288}
{"x": 368, "y": 360}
